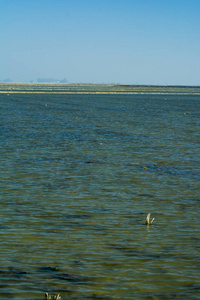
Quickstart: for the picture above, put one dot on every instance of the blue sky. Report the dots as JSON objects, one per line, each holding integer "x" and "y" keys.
{"x": 107, "y": 41}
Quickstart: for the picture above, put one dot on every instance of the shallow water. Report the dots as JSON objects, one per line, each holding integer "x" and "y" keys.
{"x": 79, "y": 173}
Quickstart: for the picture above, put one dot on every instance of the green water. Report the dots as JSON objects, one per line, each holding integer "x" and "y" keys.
{"x": 79, "y": 173}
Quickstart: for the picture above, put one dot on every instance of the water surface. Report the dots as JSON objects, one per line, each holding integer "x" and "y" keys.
{"x": 79, "y": 173}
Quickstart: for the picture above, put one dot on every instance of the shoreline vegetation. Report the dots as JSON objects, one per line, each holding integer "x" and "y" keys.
{"x": 58, "y": 88}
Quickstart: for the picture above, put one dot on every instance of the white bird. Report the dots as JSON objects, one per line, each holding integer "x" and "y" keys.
{"x": 148, "y": 222}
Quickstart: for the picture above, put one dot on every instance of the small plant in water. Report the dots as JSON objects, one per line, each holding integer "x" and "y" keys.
{"x": 55, "y": 297}
{"x": 148, "y": 222}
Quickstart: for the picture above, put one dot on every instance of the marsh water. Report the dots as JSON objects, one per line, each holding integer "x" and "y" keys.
{"x": 79, "y": 173}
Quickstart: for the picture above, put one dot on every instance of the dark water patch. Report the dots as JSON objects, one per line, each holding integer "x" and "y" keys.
{"x": 96, "y": 296}
{"x": 74, "y": 278}
{"x": 53, "y": 232}
{"x": 146, "y": 195}
{"x": 93, "y": 162}
{"x": 77, "y": 216}
{"x": 172, "y": 170}
{"x": 3, "y": 227}
{"x": 196, "y": 199}
{"x": 57, "y": 273}
{"x": 12, "y": 272}
{"x": 139, "y": 254}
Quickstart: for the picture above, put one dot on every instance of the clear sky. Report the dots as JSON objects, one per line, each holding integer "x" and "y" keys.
{"x": 101, "y": 41}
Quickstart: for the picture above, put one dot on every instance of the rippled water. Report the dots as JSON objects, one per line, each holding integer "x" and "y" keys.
{"x": 79, "y": 173}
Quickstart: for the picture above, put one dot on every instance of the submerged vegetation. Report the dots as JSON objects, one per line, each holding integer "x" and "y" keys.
{"x": 148, "y": 222}
{"x": 55, "y": 297}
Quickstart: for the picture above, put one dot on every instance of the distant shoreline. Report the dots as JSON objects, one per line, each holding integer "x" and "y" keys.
{"x": 66, "y": 88}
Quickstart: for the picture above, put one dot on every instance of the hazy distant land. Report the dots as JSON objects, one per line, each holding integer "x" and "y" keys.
{"x": 8, "y": 88}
